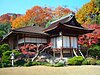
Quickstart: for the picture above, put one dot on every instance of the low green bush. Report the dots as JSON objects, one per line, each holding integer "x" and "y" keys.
{"x": 4, "y": 48}
{"x": 85, "y": 62}
{"x": 75, "y": 60}
{"x": 98, "y": 62}
{"x": 94, "y": 50}
{"x": 29, "y": 63}
{"x": 0, "y": 65}
{"x": 71, "y": 61}
{"x": 39, "y": 63}
{"x": 59, "y": 65}
{"x": 6, "y": 65}
{"x": 17, "y": 53}
{"x": 91, "y": 61}
{"x": 20, "y": 62}
{"x": 6, "y": 59}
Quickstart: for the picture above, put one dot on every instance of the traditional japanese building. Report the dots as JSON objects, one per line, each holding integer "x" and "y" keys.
{"x": 62, "y": 33}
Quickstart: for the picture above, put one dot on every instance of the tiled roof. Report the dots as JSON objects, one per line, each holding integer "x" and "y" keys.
{"x": 30, "y": 29}
{"x": 68, "y": 21}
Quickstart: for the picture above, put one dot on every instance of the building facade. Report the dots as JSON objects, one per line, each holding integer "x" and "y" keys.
{"x": 62, "y": 33}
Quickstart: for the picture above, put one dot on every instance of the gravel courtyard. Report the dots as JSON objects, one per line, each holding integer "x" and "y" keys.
{"x": 45, "y": 70}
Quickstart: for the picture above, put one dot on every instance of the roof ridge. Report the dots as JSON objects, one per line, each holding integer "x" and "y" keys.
{"x": 68, "y": 15}
{"x": 20, "y": 28}
{"x": 25, "y": 27}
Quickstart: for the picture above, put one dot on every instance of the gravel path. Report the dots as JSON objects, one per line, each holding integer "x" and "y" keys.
{"x": 44, "y": 70}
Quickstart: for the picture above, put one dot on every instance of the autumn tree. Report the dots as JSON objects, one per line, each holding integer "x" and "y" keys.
{"x": 19, "y": 22}
{"x": 5, "y": 18}
{"x": 90, "y": 38}
{"x": 87, "y": 12}
{"x": 60, "y": 12}
{"x": 39, "y": 16}
{"x": 35, "y": 50}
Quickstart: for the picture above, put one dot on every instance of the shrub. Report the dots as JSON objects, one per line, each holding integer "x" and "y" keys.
{"x": 6, "y": 65}
{"x": 71, "y": 61}
{"x": 36, "y": 63}
{"x": 76, "y": 60}
{"x": 16, "y": 53}
{"x": 85, "y": 62}
{"x": 6, "y": 59}
{"x": 29, "y": 63}
{"x": 3, "y": 48}
{"x": 98, "y": 62}
{"x": 20, "y": 63}
{"x": 91, "y": 60}
{"x": 94, "y": 51}
{"x": 59, "y": 65}
{"x": 0, "y": 65}
{"x": 39, "y": 63}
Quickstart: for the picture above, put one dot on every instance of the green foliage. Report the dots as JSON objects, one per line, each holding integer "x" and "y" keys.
{"x": 91, "y": 61}
{"x": 58, "y": 64}
{"x": 5, "y": 26}
{"x": 0, "y": 65}
{"x": 20, "y": 62}
{"x": 97, "y": 3}
{"x": 3, "y": 48}
{"x": 6, "y": 59}
{"x": 29, "y": 63}
{"x": 98, "y": 62}
{"x": 39, "y": 63}
{"x": 85, "y": 62}
{"x": 94, "y": 51}
{"x": 96, "y": 20}
{"x": 2, "y": 33}
{"x": 76, "y": 60}
{"x": 47, "y": 24}
{"x": 17, "y": 53}
{"x": 71, "y": 61}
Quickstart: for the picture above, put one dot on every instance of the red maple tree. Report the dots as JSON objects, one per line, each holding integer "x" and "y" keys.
{"x": 90, "y": 38}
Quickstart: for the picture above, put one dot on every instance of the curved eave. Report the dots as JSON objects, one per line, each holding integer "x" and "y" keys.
{"x": 69, "y": 26}
{"x": 6, "y": 36}
{"x": 31, "y": 32}
{"x": 80, "y": 28}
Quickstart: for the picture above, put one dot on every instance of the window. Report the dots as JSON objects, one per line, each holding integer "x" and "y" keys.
{"x": 66, "y": 42}
{"x": 74, "y": 42}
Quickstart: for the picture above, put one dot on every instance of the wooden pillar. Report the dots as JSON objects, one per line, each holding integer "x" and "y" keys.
{"x": 70, "y": 43}
{"x": 77, "y": 43}
{"x": 70, "y": 46}
{"x": 54, "y": 54}
{"x": 17, "y": 41}
{"x": 62, "y": 46}
{"x": 24, "y": 39}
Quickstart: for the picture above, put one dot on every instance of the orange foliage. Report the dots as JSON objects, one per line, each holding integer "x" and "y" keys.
{"x": 9, "y": 17}
{"x": 40, "y": 16}
{"x": 61, "y": 11}
{"x": 84, "y": 14}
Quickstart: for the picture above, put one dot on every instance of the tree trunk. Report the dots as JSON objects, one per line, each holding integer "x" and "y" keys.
{"x": 33, "y": 59}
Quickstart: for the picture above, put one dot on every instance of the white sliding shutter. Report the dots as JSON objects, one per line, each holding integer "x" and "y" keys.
{"x": 66, "y": 43}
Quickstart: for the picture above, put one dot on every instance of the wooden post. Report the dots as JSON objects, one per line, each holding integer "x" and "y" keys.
{"x": 77, "y": 43}
{"x": 54, "y": 54}
{"x": 17, "y": 42}
{"x": 70, "y": 46}
{"x": 62, "y": 46}
{"x": 24, "y": 39}
{"x": 70, "y": 43}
